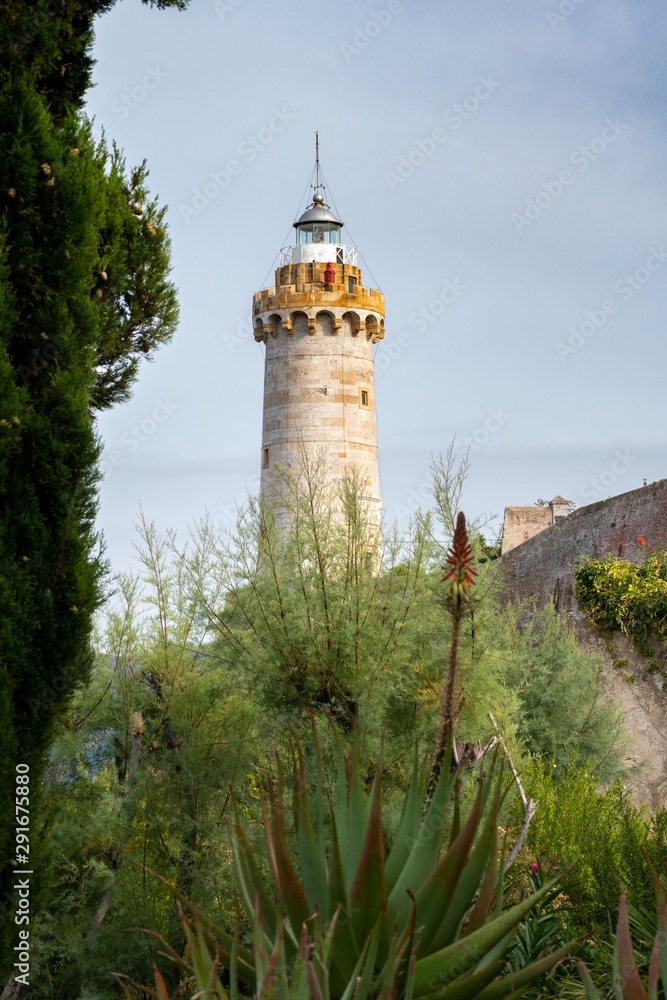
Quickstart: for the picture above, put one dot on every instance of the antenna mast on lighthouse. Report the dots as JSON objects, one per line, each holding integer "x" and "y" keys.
{"x": 317, "y": 186}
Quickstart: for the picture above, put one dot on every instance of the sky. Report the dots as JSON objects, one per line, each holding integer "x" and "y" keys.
{"x": 501, "y": 167}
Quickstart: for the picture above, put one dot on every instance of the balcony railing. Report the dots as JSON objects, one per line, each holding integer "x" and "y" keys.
{"x": 307, "y": 253}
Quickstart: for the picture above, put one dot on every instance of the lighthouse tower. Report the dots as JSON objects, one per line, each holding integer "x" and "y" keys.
{"x": 319, "y": 324}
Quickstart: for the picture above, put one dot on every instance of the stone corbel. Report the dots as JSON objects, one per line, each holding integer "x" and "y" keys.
{"x": 335, "y": 327}
{"x": 260, "y": 335}
{"x": 287, "y": 327}
{"x": 312, "y": 326}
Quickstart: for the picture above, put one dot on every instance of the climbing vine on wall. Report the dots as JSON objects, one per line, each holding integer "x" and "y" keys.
{"x": 624, "y": 596}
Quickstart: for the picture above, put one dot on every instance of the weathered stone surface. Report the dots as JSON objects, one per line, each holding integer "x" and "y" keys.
{"x": 522, "y": 523}
{"x": 636, "y": 683}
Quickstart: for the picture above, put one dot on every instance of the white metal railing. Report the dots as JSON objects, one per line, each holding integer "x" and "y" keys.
{"x": 308, "y": 253}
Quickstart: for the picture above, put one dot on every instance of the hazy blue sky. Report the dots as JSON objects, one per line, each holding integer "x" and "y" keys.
{"x": 501, "y": 167}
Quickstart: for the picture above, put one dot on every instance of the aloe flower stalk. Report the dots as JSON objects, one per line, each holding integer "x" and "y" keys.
{"x": 459, "y": 579}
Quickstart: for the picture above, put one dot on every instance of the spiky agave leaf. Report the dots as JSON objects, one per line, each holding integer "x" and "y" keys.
{"x": 311, "y": 853}
{"x": 658, "y": 965}
{"x": 368, "y": 891}
{"x": 591, "y": 992}
{"x": 425, "y": 840}
{"x": 467, "y": 952}
{"x": 290, "y": 889}
{"x": 626, "y": 979}
{"x": 472, "y": 872}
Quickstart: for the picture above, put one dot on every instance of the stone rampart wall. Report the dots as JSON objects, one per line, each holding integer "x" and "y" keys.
{"x": 542, "y": 567}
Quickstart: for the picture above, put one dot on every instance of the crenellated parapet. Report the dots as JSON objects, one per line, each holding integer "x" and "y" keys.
{"x": 300, "y": 286}
{"x": 331, "y": 321}
{"x": 342, "y": 305}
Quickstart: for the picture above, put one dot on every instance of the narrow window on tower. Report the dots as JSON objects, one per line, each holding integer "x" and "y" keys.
{"x": 351, "y": 282}
{"x": 364, "y": 399}
{"x": 265, "y": 457}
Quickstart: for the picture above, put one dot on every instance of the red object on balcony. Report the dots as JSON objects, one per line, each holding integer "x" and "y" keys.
{"x": 329, "y": 275}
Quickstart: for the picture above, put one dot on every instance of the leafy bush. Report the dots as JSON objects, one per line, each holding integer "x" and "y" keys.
{"x": 624, "y": 596}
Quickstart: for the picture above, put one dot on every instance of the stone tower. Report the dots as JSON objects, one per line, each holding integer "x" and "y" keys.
{"x": 319, "y": 324}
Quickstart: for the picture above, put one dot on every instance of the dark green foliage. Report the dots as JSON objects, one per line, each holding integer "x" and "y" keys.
{"x": 84, "y": 294}
{"x": 51, "y": 41}
{"x": 137, "y": 304}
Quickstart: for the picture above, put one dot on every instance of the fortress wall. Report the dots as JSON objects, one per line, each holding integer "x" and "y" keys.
{"x": 542, "y": 567}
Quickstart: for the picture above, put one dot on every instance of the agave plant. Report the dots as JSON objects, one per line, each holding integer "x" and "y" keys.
{"x": 626, "y": 980}
{"x": 348, "y": 918}
{"x": 345, "y": 917}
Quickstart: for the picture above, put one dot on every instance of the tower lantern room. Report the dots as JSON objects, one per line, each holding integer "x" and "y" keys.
{"x": 319, "y": 324}
{"x": 318, "y": 224}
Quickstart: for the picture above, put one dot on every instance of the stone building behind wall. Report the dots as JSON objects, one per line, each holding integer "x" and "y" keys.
{"x": 522, "y": 523}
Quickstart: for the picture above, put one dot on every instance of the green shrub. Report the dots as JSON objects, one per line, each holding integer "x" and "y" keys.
{"x": 562, "y": 710}
{"x": 602, "y": 834}
{"x": 625, "y": 597}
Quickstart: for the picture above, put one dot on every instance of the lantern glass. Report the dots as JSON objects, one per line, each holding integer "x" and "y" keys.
{"x": 318, "y": 232}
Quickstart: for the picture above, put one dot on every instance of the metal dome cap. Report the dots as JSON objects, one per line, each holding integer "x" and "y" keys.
{"x": 318, "y": 211}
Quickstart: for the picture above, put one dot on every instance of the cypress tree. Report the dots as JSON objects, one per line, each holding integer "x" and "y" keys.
{"x": 84, "y": 296}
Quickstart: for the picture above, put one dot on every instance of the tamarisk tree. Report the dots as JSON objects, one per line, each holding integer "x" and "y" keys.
{"x": 84, "y": 296}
